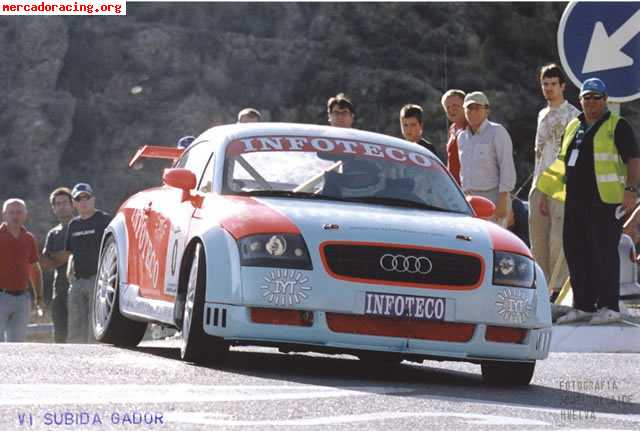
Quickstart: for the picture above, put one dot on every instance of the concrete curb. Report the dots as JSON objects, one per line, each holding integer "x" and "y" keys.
{"x": 615, "y": 338}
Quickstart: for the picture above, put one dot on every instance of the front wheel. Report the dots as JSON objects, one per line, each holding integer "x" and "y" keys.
{"x": 507, "y": 373}
{"x": 196, "y": 345}
{"x": 109, "y": 325}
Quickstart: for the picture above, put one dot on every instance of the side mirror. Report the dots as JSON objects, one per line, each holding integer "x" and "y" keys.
{"x": 483, "y": 207}
{"x": 179, "y": 178}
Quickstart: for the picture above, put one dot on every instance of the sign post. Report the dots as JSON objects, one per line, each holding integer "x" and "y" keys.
{"x": 602, "y": 39}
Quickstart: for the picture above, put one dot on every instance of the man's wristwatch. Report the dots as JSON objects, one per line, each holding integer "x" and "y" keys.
{"x": 633, "y": 189}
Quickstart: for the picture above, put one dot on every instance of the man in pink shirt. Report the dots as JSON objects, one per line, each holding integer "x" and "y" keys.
{"x": 452, "y": 105}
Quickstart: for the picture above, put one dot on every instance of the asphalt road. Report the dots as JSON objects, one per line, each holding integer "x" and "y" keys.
{"x": 46, "y": 386}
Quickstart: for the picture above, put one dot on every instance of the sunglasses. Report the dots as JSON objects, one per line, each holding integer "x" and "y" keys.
{"x": 592, "y": 97}
{"x": 82, "y": 198}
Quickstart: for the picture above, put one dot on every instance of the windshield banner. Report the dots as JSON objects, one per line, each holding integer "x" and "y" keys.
{"x": 338, "y": 147}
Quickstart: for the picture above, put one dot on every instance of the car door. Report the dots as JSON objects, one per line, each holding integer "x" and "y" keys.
{"x": 169, "y": 219}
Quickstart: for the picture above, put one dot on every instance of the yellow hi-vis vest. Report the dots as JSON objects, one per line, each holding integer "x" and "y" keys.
{"x": 610, "y": 170}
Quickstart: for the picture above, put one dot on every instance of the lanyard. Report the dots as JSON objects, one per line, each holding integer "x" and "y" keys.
{"x": 580, "y": 135}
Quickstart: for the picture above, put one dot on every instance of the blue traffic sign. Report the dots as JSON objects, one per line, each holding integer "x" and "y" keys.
{"x": 602, "y": 39}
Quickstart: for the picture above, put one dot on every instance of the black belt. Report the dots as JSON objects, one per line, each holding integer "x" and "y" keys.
{"x": 13, "y": 292}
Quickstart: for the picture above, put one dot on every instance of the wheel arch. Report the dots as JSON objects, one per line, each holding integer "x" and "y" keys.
{"x": 543, "y": 309}
{"x": 118, "y": 229}
{"x": 222, "y": 259}
{"x": 185, "y": 266}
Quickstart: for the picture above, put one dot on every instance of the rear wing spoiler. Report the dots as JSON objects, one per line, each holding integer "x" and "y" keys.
{"x": 156, "y": 152}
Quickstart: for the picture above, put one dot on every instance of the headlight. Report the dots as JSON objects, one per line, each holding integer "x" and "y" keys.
{"x": 513, "y": 270}
{"x": 274, "y": 250}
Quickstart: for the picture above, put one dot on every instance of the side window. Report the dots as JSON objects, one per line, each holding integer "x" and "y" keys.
{"x": 182, "y": 160}
{"x": 196, "y": 158}
{"x": 206, "y": 182}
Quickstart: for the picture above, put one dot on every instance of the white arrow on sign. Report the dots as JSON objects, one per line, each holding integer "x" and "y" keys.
{"x": 605, "y": 51}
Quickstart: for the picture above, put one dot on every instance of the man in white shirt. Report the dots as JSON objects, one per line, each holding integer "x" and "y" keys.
{"x": 486, "y": 156}
{"x": 546, "y": 215}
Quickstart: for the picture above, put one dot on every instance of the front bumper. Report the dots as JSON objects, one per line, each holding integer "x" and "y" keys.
{"x": 234, "y": 323}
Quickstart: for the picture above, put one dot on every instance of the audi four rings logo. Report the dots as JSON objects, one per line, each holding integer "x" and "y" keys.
{"x": 410, "y": 264}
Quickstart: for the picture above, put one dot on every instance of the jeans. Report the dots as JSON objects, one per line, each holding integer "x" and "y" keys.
{"x": 59, "y": 314}
{"x": 79, "y": 303}
{"x": 14, "y": 317}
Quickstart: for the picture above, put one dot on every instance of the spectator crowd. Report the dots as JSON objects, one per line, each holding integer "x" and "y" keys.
{"x": 586, "y": 169}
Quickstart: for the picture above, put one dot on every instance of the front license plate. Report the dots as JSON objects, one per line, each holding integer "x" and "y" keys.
{"x": 412, "y": 307}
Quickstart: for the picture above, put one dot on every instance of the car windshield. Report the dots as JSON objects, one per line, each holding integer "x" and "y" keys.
{"x": 342, "y": 170}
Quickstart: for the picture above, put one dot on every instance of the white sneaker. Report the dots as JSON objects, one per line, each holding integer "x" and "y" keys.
{"x": 604, "y": 316}
{"x": 574, "y": 316}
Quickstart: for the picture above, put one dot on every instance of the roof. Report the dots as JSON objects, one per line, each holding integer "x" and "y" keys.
{"x": 220, "y": 135}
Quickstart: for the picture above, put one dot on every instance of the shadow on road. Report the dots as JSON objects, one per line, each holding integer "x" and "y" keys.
{"x": 425, "y": 381}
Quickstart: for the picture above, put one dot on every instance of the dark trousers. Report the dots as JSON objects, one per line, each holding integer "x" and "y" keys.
{"x": 591, "y": 236}
{"x": 59, "y": 314}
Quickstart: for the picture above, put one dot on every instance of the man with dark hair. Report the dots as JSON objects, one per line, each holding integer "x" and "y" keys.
{"x": 596, "y": 174}
{"x": 249, "y": 115}
{"x": 18, "y": 265}
{"x": 452, "y": 104}
{"x": 546, "y": 215}
{"x": 340, "y": 111}
{"x": 53, "y": 259}
{"x": 411, "y": 126}
{"x": 83, "y": 240}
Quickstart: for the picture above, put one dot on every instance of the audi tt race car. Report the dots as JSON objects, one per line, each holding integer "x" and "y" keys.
{"x": 317, "y": 238}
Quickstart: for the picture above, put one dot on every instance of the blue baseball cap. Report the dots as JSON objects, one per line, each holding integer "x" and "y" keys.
{"x": 81, "y": 188}
{"x": 593, "y": 85}
{"x": 185, "y": 141}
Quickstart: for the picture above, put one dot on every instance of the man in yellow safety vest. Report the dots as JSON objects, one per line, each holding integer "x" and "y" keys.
{"x": 596, "y": 175}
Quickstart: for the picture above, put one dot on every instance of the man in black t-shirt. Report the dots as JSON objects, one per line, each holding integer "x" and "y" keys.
{"x": 53, "y": 258}
{"x": 592, "y": 227}
{"x": 83, "y": 244}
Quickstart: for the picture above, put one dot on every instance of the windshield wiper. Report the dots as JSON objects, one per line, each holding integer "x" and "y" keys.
{"x": 396, "y": 202}
{"x": 284, "y": 193}
{"x": 360, "y": 199}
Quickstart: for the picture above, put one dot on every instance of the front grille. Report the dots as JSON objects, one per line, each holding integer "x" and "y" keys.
{"x": 375, "y": 263}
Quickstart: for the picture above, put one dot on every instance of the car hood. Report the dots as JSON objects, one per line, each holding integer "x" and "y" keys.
{"x": 322, "y": 221}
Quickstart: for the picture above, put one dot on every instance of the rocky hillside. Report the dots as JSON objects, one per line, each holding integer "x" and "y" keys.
{"x": 78, "y": 95}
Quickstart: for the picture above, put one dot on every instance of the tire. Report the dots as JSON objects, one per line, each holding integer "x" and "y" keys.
{"x": 507, "y": 373}
{"x": 109, "y": 325}
{"x": 196, "y": 346}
